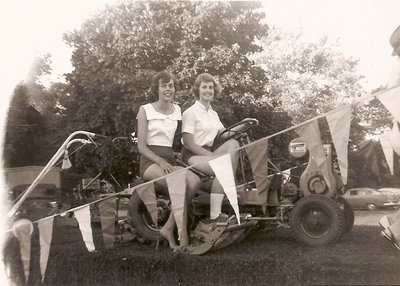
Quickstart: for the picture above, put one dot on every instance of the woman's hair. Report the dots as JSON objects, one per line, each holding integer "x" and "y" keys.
{"x": 164, "y": 76}
{"x": 205, "y": 77}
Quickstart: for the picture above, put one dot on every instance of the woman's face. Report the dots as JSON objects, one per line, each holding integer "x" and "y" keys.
{"x": 206, "y": 91}
{"x": 166, "y": 90}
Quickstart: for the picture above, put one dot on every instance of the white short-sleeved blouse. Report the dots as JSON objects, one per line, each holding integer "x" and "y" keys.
{"x": 161, "y": 127}
{"x": 202, "y": 123}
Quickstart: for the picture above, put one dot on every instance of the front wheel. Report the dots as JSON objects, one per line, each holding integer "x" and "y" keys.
{"x": 140, "y": 219}
{"x": 317, "y": 220}
{"x": 371, "y": 207}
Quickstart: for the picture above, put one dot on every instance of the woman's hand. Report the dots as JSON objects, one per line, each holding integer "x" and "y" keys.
{"x": 166, "y": 167}
{"x": 251, "y": 119}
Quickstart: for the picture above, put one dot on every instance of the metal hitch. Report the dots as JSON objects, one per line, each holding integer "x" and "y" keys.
{"x": 212, "y": 236}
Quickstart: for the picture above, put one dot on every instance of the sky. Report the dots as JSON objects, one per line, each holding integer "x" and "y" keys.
{"x": 362, "y": 27}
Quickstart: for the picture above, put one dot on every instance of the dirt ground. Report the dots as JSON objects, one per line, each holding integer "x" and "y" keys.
{"x": 265, "y": 257}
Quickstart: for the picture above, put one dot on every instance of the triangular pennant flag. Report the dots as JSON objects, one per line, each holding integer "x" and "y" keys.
{"x": 387, "y": 150}
{"x": 45, "y": 235}
{"x": 83, "y": 217}
{"x": 339, "y": 125}
{"x": 395, "y": 230}
{"x": 107, "y": 209}
{"x": 222, "y": 167}
{"x": 23, "y": 229}
{"x": 391, "y": 100}
{"x": 66, "y": 163}
{"x": 393, "y": 217}
{"x": 395, "y": 137}
{"x": 311, "y": 135}
{"x": 258, "y": 157}
{"x": 367, "y": 149}
{"x": 177, "y": 192}
{"x": 147, "y": 194}
{"x": 286, "y": 174}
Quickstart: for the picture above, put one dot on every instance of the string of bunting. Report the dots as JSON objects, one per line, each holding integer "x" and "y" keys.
{"x": 338, "y": 122}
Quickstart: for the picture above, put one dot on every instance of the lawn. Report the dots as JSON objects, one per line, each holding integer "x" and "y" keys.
{"x": 265, "y": 257}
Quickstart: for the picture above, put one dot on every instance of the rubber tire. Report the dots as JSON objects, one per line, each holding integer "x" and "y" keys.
{"x": 136, "y": 212}
{"x": 348, "y": 214}
{"x": 371, "y": 207}
{"x": 327, "y": 206}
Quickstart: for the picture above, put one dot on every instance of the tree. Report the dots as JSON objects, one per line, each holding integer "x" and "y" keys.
{"x": 309, "y": 78}
{"x": 375, "y": 117}
{"x": 118, "y": 51}
{"x": 40, "y": 68}
{"x": 23, "y": 129}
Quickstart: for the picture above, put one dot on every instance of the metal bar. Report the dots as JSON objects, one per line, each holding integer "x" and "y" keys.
{"x": 261, "y": 218}
{"x": 46, "y": 169}
{"x": 240, "y": 226}
{"x": 91, "y": 182}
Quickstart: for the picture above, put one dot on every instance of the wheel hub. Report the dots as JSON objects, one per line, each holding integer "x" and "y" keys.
{"x": 163, "y": 211}
{"x": 315, "y": 222}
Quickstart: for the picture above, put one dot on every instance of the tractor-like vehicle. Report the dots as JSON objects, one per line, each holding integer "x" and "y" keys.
{"x": 316, "y": 213}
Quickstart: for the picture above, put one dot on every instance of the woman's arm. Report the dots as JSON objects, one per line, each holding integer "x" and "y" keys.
{"x": 188, "y": 129}
{"x": 142, "y": 143}
{"x": 188, "y": 142}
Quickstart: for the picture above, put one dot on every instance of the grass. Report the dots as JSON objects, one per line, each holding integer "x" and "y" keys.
{"x": 265, "y": 257}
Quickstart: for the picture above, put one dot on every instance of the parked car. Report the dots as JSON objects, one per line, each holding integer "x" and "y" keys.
{"x": 393, "y": 193}
{"x": 369, "y": 198}
{"x": 43, "y": 201}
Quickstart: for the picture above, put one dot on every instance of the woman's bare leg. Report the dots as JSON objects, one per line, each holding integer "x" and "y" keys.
{"x": 217, "y": 192}
{"x": 193, "y": 182}
{"x": 167, "y": 231}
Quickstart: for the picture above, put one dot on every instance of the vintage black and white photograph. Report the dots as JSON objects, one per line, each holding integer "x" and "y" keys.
{"x": 201, "y": 143}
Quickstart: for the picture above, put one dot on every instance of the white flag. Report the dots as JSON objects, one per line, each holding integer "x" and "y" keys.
{"x": 387, "y": 150}
{"x": 107, "y": 209}
{"x": 395, "y": 137}
{"x": 311, "y": 135}
{"x": 339, "y": 125}
{"x": 286, "y": 174}
{"x": 258, "y": 157}
{"x": 45, "y": 234}
{"x": 391, "y": 100}
{"x": 222, "y": 167}
{"x": 23, "y": 229}
{"x": 147, "y": 194}
{"x": 83, "y": 217}
{"x": 177, "y": 192}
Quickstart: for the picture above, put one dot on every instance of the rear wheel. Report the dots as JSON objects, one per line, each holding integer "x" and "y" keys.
{"x": 317, "y": 220}
{"x": 348, "y": 214}
{"x": 371, "y": 207}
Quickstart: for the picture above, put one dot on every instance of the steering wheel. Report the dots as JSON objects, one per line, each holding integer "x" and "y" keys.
{"x": 238, "y": 128}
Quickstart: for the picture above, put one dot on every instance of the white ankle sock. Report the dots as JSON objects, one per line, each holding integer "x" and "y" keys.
{"x": 216, "y": 204}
